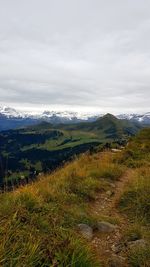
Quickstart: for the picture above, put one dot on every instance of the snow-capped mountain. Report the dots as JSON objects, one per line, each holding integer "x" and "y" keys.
{"x": 69, "y": 116}
{"x": 9, "y": 112}
{"x": 141, "y": 118}
{"x": 11, "y": 118}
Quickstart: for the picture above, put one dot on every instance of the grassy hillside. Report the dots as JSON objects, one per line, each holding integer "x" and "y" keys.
{"x": 41, "y": 148}
{"x": 137, "y": 153}
{"x": 136, "y": 198}
{"x": 38, "y": 222}
{"x": 108, "y": 127}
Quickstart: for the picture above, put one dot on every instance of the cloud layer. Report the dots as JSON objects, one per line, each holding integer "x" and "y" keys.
{"x": 75, "y": 54}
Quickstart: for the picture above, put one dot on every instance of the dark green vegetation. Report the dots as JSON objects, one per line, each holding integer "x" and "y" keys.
{"x": 26, "y": 152}
{"x": 38, "y": 222}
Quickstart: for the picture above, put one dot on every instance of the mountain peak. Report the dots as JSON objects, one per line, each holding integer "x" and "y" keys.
{"x": 9, "y": 112}
{"x": 11, "y": 118}
{"x": 109, "y": 115}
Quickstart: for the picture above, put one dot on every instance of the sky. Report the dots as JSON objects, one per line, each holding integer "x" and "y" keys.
{"x": 91, "y": 55}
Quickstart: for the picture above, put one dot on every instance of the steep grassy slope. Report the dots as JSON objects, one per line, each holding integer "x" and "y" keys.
{"x": 135, "y": 200}
{"x": 38, "y": 222}
{"x": 137, "y": 152}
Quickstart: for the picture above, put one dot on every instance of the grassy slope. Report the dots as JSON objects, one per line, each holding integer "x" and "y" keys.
{"x": 38, "y": 222}
{"x": 135, "y": 200}
{"x": 108, "y": 127}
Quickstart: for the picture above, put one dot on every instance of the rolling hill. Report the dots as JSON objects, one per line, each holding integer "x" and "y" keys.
{"x": 109, "y": 126}
{"x": 42, "y": 148}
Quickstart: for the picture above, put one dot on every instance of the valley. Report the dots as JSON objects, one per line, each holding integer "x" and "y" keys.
{"x": 27, "y": 152}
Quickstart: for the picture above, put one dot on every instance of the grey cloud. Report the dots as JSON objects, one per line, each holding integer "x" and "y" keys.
{"x": 75, "y": 53}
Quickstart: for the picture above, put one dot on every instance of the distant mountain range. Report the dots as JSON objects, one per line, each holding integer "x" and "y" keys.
{"x": 141, "y": 118}
{"x": 11, "y": 118}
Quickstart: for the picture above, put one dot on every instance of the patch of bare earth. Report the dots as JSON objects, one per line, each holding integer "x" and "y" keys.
{"x": 108, "y": 246}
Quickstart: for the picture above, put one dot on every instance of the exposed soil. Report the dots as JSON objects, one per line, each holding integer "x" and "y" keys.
{"x": 109, "y": 246}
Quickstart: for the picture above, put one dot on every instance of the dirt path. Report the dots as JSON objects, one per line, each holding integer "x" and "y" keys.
{"x": 108, "y": 245}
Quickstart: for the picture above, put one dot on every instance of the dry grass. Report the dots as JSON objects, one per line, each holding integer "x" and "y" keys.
{"x": 135, "y": 200}
{"x": 38, "y": 221}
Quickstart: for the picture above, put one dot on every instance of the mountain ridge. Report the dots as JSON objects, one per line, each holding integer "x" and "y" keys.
{"x": 11, "y": 118}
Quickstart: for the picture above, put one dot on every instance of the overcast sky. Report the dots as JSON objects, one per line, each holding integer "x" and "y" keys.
{"x": 75, "y": 54}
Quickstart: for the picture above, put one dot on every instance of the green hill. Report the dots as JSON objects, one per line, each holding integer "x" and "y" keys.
{"x": 42, "y": 148}
{"x": 108, "y": 127}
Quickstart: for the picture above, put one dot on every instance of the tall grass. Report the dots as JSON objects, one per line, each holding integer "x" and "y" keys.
{"x": 137, "y": 152}
{"x": 139, "y": 257}
{"x": 135, "y": 203}
{"x": 135, "y": 200}
{"x": 38, "y": 222}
